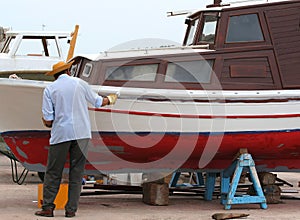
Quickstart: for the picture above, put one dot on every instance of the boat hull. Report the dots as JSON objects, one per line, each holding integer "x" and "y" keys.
{"x": 109, "y": 152}
{"x": 158, "y": 130}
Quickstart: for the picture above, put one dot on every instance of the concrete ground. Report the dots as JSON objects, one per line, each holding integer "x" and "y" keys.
{"x": 20, "y": 202}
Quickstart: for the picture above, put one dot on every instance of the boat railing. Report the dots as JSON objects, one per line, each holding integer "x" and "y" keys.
{"x": 235, "y": 3}
{"x": 163, "y": 48}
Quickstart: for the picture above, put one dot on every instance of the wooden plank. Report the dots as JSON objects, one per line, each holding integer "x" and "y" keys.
{"x": 284, "y": 35}
{"x": 249, "y": 63}
{"x": 250, "y": 71}
{"x": 285, "y": 29}
{"x": 246, "y": 86}
{"x": 284, "y": 26}
{"x": 288, "y": 68}
{"x": 249, "y": 80}
{"x": 289, "y": 44}
{"x": 285, "y": 19}
{"x": 289, "y": 58}
{"x": 283, "y": 12}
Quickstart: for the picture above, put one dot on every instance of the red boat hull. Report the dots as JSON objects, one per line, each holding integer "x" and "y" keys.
{"x": 109, "y": 151}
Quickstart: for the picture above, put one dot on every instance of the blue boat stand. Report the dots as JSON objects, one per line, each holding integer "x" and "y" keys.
{"x": 228, "y": 189}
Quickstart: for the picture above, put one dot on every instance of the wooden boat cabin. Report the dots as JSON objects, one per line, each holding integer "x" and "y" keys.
{"x": 241, "y": 46}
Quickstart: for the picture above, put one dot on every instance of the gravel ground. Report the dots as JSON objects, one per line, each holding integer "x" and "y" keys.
{"x": 20, "y": 202}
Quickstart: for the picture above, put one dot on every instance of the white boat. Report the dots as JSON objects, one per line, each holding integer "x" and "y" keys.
{"x": 32, "y": 53}
{"x": 191, "y": 107}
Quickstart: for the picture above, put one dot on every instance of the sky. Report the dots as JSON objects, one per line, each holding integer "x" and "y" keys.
{"x": 102, "y": 24}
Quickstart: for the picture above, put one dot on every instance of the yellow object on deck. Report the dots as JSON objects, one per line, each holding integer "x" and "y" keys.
{"x": 61, "y": 198}
{"x": 73, "y": 42}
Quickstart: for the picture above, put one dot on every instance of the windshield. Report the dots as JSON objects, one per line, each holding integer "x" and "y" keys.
{"x": 192, "y": 30}
{"x": 209, "y": 28}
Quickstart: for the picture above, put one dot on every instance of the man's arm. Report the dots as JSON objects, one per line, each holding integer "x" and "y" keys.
{"x": 47, "y": 109}
{"x": 96, "y": 99}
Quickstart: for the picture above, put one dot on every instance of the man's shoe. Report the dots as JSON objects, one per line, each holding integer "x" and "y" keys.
{"x": 45, "y": 213}
{"x": 69, "y": 214}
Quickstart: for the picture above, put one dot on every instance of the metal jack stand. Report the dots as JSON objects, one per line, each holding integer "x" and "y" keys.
{"x": 19, "y": 179}
{"x": 228, "y": 190}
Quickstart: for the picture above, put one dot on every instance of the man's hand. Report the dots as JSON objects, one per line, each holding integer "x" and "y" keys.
{"x": 48, "y": 124}
{"x": 112, "y": 98}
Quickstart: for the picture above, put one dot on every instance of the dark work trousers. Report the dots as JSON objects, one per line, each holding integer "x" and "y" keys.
{"x": 57, "y": 157}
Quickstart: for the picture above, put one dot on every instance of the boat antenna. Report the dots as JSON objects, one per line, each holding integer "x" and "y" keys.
{"x": 247, "y": 1}
{"x": 73, "y": 42}
{"x": 177, "y": 13}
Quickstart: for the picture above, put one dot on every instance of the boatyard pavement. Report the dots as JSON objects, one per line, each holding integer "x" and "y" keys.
{"x": 20, "y": 202}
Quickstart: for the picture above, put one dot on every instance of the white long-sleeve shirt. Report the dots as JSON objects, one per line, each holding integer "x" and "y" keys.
{"x": 65, "y": 102}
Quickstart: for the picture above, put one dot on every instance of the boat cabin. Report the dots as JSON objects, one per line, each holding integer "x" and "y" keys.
{"x": 241, "y": 46}
{"x": 29, "y": 53}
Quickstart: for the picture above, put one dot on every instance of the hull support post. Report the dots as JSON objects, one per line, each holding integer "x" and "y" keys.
{"x": 228, "y": 190}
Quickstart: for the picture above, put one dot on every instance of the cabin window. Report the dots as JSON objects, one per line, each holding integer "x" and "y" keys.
{"x": 87, "y": 70}
{"x": 209, "y": 28}
{"x": 198, "y": 71}
{"x": 37, "y": 47}
{"x": 73, "y": 70}
{"x": 145, "y": 72}
{"x": 8, "y": 44}
{"x": 244, "y": 28}
{"x": 192, "y": 26}
{"x": 52, "y": 48}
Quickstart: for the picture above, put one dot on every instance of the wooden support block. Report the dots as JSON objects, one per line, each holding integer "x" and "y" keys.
{"x": 156, "y": 193}
{"x": 168, "y": 178}
{"x": 272, "y": 194}
{"x": 266, "y": 178}
{"x": 240, "y": 152}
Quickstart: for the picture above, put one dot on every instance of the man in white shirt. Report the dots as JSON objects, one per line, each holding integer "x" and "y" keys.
{"x": 65, "y": 110}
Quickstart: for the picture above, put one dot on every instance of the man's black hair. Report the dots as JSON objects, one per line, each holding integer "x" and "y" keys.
{"x": 56, "y": 75}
